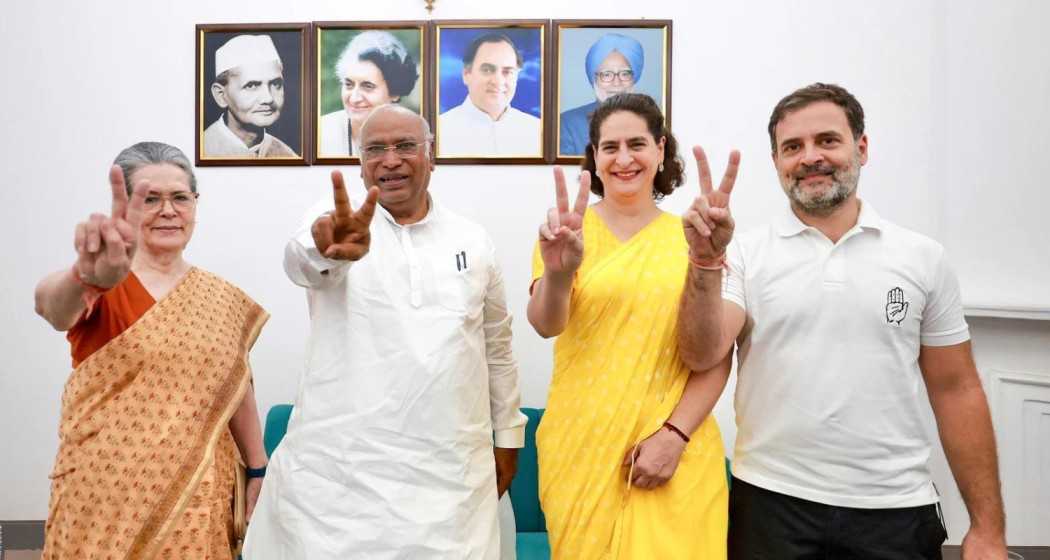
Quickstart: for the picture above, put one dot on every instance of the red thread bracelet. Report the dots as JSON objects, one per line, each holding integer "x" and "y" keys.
{"x": 720, "y": 263}
{"x": 675, "y": 429}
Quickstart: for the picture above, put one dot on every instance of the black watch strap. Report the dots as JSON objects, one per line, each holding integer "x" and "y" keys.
{"x": 255, "y": 473}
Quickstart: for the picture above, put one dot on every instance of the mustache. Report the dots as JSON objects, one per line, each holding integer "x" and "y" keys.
{"x": 823, "y": 168}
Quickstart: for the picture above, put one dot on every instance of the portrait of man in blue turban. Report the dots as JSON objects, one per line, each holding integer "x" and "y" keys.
{"x": 614, "y": 64}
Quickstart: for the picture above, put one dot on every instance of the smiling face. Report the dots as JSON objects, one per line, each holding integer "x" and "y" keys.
{"x": 492, "y": 78}
{"x": 364, "y": 89}
{"x": 609, "y": 77}
{"x": 166, "y": 229}
{"x": 817, "y": 159}
{"x": 627, "y": 156}
{"x": 402, "y": 178}
{"x": 253, "y": 94}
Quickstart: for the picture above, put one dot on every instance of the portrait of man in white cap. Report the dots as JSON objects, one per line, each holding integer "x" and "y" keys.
{"x": 249, "y": 88}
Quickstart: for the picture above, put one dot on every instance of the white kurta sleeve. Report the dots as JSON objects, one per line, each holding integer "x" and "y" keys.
{"x": 508, "y": 422}
{"x": 305, "y": 265}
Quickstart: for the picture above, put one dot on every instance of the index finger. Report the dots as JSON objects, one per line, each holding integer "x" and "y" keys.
{"x": 729, "y": 179}
{"x": 584, "y": 194}
{"x": 342, "y": 200}
{"x": 561, "y": 194}
{"x": 703, "y": 168}
{"x": 120, "y": 192}
{"x": 133, "y": 214}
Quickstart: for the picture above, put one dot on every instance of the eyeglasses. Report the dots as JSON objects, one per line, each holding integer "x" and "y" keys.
{"x": 607, "y": 76}
{"x": 180, "y": 200}
{"x": 405, "y": 149}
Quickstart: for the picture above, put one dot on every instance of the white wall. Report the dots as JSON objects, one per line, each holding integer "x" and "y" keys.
{"x": 84, "y": 82}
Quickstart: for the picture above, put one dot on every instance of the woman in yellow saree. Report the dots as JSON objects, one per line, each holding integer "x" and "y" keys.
{"x": 631, "y": 463}
{"x": 160, "y": 397}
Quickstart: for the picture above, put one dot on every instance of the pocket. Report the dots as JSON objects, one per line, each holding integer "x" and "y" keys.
{"x": 930, "y": 533}
{"x": 459, "y": 291}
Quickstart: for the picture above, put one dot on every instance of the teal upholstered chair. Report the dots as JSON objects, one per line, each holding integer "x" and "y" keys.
{"x": 532, "y": 541}
{"x": 276, "y": 426}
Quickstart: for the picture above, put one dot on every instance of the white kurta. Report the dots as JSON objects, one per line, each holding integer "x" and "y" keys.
{"x": 409, "y": 377}
{"x": 465, "y": 130}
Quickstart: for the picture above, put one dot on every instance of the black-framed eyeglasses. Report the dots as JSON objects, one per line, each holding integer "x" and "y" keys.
{"x": 404, "y": 149}
{"x": 607, "y": 76}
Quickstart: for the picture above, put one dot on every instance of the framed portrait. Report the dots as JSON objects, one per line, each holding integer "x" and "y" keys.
{"x": 359, "y": 66}
{"x": 251, "y": 96}
{"x": 489, "y": 89}
{"x": 600, "y": 58}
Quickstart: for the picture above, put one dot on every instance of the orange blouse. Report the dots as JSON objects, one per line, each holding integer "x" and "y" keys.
{"x": 111, "y": 314}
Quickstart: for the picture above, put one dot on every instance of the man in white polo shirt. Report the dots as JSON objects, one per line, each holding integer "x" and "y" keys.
{"x": 839, "y": 316}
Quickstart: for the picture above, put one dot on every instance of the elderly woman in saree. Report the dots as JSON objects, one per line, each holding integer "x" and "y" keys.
{"x": 374, "y": 69}
{"x": 614, "y": 65}
{"x": 159, "y": 411}
{"x": 631, "y": 462}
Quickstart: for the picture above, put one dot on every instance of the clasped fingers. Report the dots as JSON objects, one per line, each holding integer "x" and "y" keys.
{"x": 323, "y": 232}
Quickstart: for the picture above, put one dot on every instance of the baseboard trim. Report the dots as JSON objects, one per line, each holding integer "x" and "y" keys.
{"x": 952, "y": 552}
{"x": 21, "y": 535}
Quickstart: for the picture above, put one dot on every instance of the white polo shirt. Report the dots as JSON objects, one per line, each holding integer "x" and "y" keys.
{"x": 828, "y": 396}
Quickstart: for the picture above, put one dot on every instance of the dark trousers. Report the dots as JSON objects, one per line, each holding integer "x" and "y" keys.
{"x": 769, "y": 525}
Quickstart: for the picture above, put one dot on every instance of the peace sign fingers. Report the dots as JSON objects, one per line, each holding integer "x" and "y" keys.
{"x": 583, "y": 196}
{"x": 343, "y": 210}
{"x": 703, "y": 170}
{"x": 729, "y": 178}
{"x": 561, "y": 193}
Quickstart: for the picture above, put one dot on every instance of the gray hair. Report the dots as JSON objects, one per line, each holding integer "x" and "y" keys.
{"x": 139, "y": 155}
{"x": 387, "y": 53}
{"x": 427, "y": 135}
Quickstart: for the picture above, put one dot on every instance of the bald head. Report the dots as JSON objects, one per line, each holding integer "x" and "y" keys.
{"x": 390, "y": 115}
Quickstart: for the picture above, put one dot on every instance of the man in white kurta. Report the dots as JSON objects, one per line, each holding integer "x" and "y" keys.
{"x": 410, "y": 380}
{"x": 485, "y": 124}
{"x": 469, "y": 131}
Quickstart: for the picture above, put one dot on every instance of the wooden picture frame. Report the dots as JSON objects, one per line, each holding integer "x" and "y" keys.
{"x": 380, "y": 62}
{"x": 259, "y": 116}
{"x": 577, "y": 46}
{"x": 508, "y": 77}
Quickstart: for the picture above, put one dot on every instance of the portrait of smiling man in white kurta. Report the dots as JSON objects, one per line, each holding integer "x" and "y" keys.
{"x": 406, "y": 427}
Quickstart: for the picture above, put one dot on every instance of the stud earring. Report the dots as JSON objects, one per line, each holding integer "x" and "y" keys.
{"x": 660, "y": 169}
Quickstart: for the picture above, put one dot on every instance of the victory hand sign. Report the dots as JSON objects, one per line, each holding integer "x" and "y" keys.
{"x": 106, "y": 245}
{"x": 707, "y": 222}
{"x": 561, "y": 236}
{"x": 343, "y": 233}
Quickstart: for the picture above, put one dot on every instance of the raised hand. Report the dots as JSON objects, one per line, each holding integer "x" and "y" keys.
{"x": 561, "y": 236}
{"x": 343, "y": 233}
{"x": 708, "y": 223}
{"x": 896, "y": 307}
{"x": 106, "y": 245}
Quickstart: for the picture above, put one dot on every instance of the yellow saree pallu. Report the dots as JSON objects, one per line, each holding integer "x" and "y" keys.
{"x": 617, "y": 377}
{"x": 146, "y": 463}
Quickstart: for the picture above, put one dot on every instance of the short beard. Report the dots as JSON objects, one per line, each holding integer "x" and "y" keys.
{"x": 843, "y": 185}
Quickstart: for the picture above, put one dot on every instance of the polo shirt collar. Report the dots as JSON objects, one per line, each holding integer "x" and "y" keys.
{"x": 790, "y": 225}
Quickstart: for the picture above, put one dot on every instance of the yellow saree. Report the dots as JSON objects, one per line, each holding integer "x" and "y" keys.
{"x": 146, "y": 463}
{"x": 617, "y": 377}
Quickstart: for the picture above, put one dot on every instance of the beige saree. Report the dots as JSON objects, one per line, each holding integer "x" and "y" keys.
{"x": 146, "y": 464}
